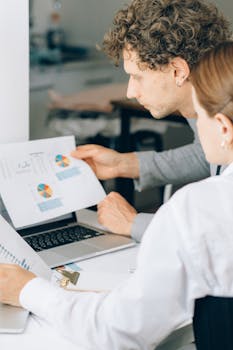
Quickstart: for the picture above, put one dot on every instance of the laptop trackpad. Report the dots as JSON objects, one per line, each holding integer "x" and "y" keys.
{"x": 76, "y": 249}
{"x": 60, "y": 255}
{"x": 108, "y": 241}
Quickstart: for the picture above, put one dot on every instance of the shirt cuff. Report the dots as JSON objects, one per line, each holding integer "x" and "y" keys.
{"x": 37, "y": 295}
{"x": 146, "y": 175}
{"x": 140, "y": 224}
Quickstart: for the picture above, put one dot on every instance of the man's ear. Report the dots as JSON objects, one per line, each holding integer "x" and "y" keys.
{"x": 225, "y": 128}
{"x": 181, "y": 70}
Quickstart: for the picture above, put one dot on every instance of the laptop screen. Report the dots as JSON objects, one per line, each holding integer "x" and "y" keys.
{"x": 58, "y": 222}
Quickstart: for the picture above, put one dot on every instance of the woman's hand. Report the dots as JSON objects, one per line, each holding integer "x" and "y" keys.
{"x": 12, "y": 280}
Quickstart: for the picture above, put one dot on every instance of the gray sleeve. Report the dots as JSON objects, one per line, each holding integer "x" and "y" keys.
{"x": 177, "y": 166}
{"x": 140, "y": 223}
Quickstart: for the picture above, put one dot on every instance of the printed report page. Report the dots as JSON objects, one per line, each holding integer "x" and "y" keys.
{"x": 39, "y": 180}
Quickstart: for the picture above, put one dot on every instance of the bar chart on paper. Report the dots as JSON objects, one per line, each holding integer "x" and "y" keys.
{"x": 14, "y": 250}
{"x": 7, "y": 256}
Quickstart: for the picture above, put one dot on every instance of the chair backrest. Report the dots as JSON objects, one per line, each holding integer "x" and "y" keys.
{"x": 213, "y": 323}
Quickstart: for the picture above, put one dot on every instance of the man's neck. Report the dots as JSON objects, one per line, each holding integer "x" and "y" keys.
{"x": 186, "y": 108}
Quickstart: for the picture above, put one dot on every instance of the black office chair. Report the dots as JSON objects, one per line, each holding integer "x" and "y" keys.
{"x": 213, "y": 323}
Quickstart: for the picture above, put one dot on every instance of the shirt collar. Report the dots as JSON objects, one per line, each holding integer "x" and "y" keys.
{"x": 228, "y": 170}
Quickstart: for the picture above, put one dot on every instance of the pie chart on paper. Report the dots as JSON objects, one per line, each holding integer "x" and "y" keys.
{"x": 62, "y": 161}
{"x": 44, "y": 190}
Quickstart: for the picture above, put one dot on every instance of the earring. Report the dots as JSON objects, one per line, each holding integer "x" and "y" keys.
{"x": 180, "y": 82}
{"x": 223, "y": 144}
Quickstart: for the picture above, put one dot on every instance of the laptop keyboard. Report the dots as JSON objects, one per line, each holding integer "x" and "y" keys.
{"x": 52, "y": 239}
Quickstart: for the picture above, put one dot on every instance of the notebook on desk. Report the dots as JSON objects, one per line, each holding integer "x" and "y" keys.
{"x": 14, "y": 250}
{"x": 64, "y": 240}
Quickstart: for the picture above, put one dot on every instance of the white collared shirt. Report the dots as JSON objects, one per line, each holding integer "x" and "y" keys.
{"x": 186, "y": 253}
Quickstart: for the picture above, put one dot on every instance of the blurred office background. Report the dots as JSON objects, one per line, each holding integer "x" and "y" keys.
{"x": 63, "y": 58}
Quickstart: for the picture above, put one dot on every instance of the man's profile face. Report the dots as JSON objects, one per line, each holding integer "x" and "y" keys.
{"x": 156, "y": 90}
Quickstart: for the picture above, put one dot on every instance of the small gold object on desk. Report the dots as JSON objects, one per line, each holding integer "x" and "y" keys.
{"x": 68, "y": 277}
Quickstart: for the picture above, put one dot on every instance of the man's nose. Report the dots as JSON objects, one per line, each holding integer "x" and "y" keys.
{"x": 131, "y": 89}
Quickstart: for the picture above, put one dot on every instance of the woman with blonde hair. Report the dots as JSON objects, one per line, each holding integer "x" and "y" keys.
{"x": 186, "y": 252}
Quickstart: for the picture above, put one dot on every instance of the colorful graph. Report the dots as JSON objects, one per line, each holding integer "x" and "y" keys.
{"x": 62, "y": 161}
{"x": 44, "y": 190}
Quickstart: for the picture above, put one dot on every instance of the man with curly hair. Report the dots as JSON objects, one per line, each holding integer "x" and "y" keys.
{"x": 186, "y": 252}
{"x": 160, "y": 41}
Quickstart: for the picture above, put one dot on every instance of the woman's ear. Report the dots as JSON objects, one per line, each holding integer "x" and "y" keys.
{"x": 181, "y": 70}
{"x": 225, "y": 128}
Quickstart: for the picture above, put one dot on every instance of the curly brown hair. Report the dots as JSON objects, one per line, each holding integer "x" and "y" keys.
{"x": 159, "y": 30}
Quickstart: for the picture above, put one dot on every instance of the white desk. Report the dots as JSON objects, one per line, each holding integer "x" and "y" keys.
{"x": 40, "y": 336}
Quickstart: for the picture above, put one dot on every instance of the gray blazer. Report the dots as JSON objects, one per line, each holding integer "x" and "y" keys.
{"x": 177, "y": 166}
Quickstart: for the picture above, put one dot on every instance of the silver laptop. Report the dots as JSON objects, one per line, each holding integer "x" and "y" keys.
{"x": 64, "y": 240}
{"x": 12, "y": 319}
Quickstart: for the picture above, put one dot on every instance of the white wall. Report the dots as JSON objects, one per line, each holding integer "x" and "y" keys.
{"x": 41, "y": 10}
{"x": 86, "y": 21}
{"x": 14, "y": 66}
